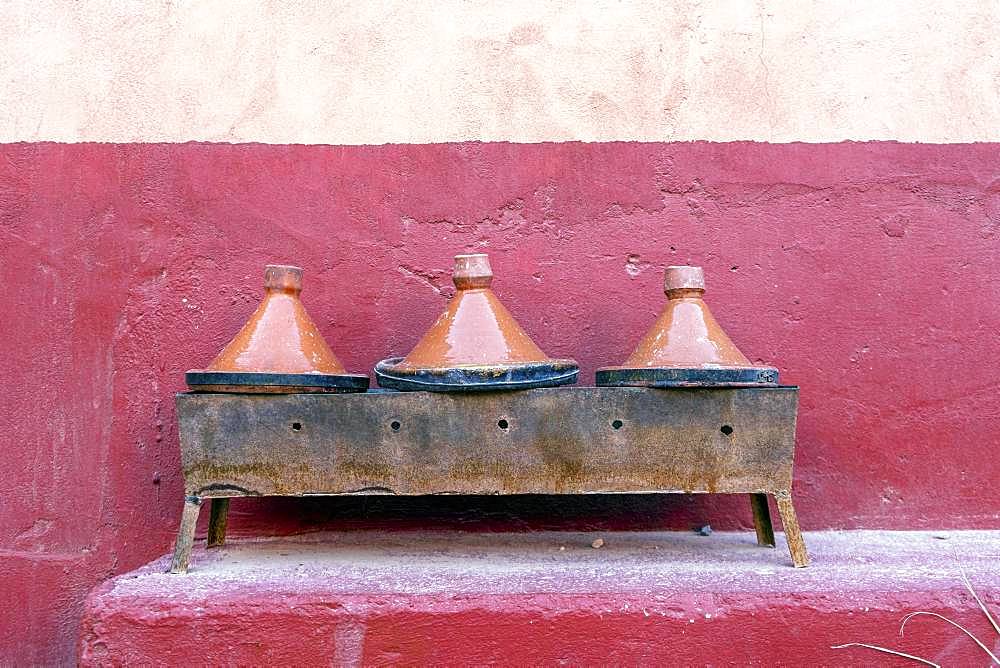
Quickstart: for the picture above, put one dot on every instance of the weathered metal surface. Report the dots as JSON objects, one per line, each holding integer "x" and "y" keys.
{"x": 185, "y": 535}
{"x": 476, "y": 379}
{"x": 702, "y": 377}
{"x": 217, "y": 522}
{"x": 243, "y": 382}
{"x": 554, "y": 440}
{"x": 762, "y": 519}
{"x": 793, "y": 534}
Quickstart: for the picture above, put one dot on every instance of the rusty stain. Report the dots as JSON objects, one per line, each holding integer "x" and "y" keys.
{"x": 552, "y": 441}
{"x": 555, "y": 440}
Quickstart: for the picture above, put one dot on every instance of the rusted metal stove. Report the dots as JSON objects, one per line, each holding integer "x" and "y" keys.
{"x": 662, "y": 436}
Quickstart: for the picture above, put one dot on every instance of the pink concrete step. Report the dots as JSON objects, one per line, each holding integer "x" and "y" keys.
{"x": 549, "y": 598}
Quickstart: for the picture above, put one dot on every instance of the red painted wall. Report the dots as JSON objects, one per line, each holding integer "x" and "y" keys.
{"x": 621, "y": 629}
{"x": 868, "y": 273}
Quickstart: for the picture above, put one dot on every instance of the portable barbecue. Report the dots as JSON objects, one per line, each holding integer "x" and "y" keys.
{"x": 712, "y": 430}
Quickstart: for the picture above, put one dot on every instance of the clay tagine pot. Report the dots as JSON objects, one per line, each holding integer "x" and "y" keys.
{"x": 279, "y": 350}
{"x": 686, "y": 346}
{"x": 475, "y": 345}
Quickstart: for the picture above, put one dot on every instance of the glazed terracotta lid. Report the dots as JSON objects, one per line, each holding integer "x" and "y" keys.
{"x": 279, "y": 350}
{"x": 475, "y": 345}
{"x": 686, "y": 346}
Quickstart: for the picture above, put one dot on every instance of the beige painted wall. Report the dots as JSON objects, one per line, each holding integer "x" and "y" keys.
{"x": 421, "y": 71}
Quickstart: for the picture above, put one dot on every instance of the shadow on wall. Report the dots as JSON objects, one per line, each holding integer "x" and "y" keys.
{"x": 613, "y": 512}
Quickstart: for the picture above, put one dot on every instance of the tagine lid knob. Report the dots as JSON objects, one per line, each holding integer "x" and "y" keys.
{"x": 683, "y": 278}
{"x": 472, "y": 271}
{"x": 283, "y": 278}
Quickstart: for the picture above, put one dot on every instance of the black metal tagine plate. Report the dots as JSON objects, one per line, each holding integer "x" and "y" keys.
{"x": 476, "y": 378}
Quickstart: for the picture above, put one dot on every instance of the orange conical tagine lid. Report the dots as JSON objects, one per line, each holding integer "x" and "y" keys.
{"x": 475, "y": 344}
{"x": 686, "y": 346}
{"x": 279, "y": 349}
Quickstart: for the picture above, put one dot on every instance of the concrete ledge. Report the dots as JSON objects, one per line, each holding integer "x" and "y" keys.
{"x": 360, "y": 598}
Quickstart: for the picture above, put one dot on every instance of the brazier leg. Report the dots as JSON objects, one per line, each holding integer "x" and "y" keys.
{"x": 217, "y": 522}
{"x": 185, "y": 535}
{"x": 762, "y": 520}
{"x": 796, "y": 545}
